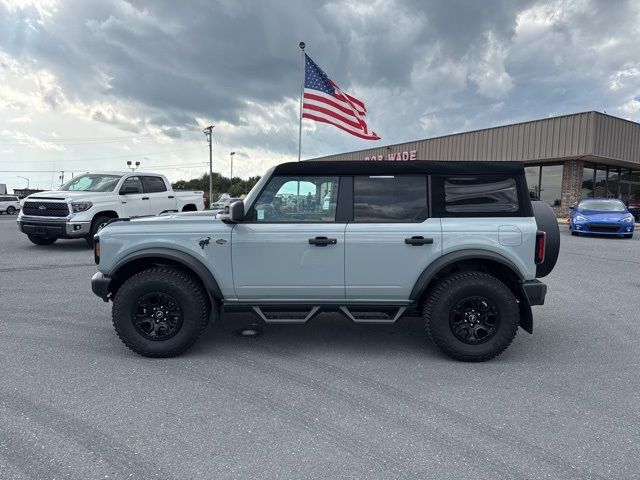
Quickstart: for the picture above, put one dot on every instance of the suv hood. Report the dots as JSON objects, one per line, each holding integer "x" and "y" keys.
{"x": 598, "y": 215}
{"x": 63, "y": 195}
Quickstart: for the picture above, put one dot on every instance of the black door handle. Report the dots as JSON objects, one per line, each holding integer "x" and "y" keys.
{"x": 418, "y": 240}
{"x": 171, "y": 196}
{"x": 145, "y": 198}
{"x": 322, "y": 241}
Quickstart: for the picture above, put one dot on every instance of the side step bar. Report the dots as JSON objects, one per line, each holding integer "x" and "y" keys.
{"x": 358, "y": 314}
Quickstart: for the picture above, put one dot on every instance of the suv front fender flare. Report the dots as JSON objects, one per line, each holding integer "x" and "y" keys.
{"x": 179, "y": 257}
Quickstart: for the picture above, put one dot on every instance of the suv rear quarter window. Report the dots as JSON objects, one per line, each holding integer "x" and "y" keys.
{"x": 476, "y": 195}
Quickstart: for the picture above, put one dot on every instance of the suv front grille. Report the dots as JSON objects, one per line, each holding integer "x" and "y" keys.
{"x": 45, "y": 209}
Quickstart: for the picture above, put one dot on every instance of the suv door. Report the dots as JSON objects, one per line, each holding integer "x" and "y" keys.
{"x": 391, "y": 240}
{"x": 134, "y": 202}
{"x": 160, "y": 199}
{"x": 291, "y": 244}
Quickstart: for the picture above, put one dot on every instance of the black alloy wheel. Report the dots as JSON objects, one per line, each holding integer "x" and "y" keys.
{"x": 471, "y": 316}
{"x": 157, "y": 316}
{"x": 474, "y": 320}
{"x": 161, "y": 311}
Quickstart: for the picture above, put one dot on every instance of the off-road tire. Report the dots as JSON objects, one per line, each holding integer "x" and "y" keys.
{"x": 97, "y": 223}
{"x": 180, "y": 285}
{"x": 11, "y": 210}
{"x": 451, "y": 290}
{"x": 41, "y": 240}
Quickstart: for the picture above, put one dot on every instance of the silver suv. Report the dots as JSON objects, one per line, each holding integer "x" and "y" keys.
{"x": 459, "y": 243}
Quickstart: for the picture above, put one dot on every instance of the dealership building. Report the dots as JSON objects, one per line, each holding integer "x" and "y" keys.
{"x": 566, "y": 158}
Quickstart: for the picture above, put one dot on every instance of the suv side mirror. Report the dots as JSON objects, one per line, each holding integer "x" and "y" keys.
{"x": 128, "y": 190}
{"x": 236, "y": 211}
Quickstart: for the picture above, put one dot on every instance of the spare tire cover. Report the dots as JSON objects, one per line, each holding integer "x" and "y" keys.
{"x": 548, "y": 223}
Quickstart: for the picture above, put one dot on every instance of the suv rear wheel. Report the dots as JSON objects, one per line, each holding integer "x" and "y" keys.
{"x": 11, "y": 210}
{"x": 471, "y": 316}
{"x": 160, "y": 312}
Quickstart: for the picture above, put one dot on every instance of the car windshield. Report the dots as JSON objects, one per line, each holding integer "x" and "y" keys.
{"x": 92, "y": 182}
{"x": 602, "y": 205}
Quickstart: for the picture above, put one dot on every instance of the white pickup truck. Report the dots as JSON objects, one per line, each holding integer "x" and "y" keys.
{"x": 88, "y": 202}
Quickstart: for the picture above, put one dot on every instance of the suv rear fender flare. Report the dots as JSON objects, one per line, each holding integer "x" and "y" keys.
{"x": 430, "y": 273}
{"x": 185, "y": 260}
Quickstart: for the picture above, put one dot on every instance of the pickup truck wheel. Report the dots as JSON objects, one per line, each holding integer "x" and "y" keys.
{"x": 97, "y": 224}
{"x": 160, "y": 312}
{"x": 40, "y": 240}
{"x": 471, "y": 316}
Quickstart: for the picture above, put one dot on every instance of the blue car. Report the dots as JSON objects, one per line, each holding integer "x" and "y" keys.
{"x": 601, "y": 216}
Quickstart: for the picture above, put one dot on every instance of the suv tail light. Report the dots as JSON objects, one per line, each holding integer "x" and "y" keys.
{"x": 541, "y": 244}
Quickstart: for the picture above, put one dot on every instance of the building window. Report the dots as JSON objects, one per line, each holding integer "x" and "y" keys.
{"x": 587, "y": 180}
{"x": 533, "y": 181}
{"x": 600, "y": 186}
{"x": 551, "y": 191}
{"x": 613, "y": 182}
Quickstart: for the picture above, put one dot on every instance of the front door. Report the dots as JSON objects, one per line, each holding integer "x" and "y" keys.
{"x": 291, "y": 247}
{"x": 133, "y": 201}
{"x": 391, "y": 239}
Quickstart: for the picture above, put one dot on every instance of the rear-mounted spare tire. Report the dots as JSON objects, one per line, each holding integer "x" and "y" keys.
{"x": 547, "y": 222}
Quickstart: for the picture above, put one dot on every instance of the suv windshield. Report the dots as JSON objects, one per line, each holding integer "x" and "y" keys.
{"x": 92, "y": 183}
{"x": 602, "y": 205}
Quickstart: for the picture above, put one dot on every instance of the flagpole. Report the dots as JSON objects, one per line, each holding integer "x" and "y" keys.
{"x": 301, "y": 45}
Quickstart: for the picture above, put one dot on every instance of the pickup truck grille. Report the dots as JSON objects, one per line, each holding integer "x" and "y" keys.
{"x": 45, "y": 209}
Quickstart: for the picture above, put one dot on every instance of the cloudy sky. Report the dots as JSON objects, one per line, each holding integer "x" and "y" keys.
{"x": 90, "y": 84}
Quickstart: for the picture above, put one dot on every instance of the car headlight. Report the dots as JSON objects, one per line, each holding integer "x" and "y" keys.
{"x": 580, "y": 218}
{"x": 81, "y": 206}
{"x": 628, "y": 219}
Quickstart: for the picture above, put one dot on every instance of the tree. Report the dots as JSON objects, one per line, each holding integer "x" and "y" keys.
{"x": 220, "y": 185}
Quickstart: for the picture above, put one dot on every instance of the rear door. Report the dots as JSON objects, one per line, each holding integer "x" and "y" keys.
{"x": 391, "y": 239}
{"x": 160, "y": 198}
{"x": 291, "y": 246}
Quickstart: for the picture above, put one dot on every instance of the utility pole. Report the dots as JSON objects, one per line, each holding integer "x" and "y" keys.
{"x": 231, "y": 184}
{"x": 61, "y": 177}
{"x": 208, "y": 133}
{"x": 25, "y": 178}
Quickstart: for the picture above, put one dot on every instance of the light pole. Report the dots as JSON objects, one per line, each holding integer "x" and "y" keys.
{"x": 231, "y": 184}
{"x": 25, "y": 178}
{"x": 133, "y": 169}
{"x": 208, "y": 133}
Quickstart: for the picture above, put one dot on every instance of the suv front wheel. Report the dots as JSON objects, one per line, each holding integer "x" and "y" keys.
{"x": 160, "y": 312}
{"x": 471, "y": 316}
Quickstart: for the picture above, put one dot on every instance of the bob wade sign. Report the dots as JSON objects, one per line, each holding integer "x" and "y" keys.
{"x": 397, "y": 156}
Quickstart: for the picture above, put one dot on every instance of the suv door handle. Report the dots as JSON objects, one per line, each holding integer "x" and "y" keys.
{"x": 170, "y": 196}
{"x": 418, "y": 240}
{"x": 322, "y": 241}
{"x": 145, "y": 198}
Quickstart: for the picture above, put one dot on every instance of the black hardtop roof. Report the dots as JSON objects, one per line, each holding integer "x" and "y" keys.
{"x": 382, "y": 167}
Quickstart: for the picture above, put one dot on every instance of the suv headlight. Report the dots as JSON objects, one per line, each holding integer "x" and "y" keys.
{"x": 628, "y": 219}
{"x": 580, "y": 218}
{"x": 81, "y": 206}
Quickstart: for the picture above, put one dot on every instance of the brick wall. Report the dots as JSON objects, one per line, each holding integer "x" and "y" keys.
{"x": 571, "y": 185}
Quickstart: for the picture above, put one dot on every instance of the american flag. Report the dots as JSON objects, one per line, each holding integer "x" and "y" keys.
{"x": 323, "y": 101}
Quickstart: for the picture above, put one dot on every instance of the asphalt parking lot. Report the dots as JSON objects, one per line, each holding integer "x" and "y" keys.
{"x": 324, "y": 400}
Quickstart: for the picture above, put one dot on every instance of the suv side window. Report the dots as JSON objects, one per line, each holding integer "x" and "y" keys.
{"x": 153, "y": 184}
{"x": 297, "y": 199}
{"x": 476, "y": 196}
{"x": 390, "y": 198}
{"x": 132, "y": 182}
